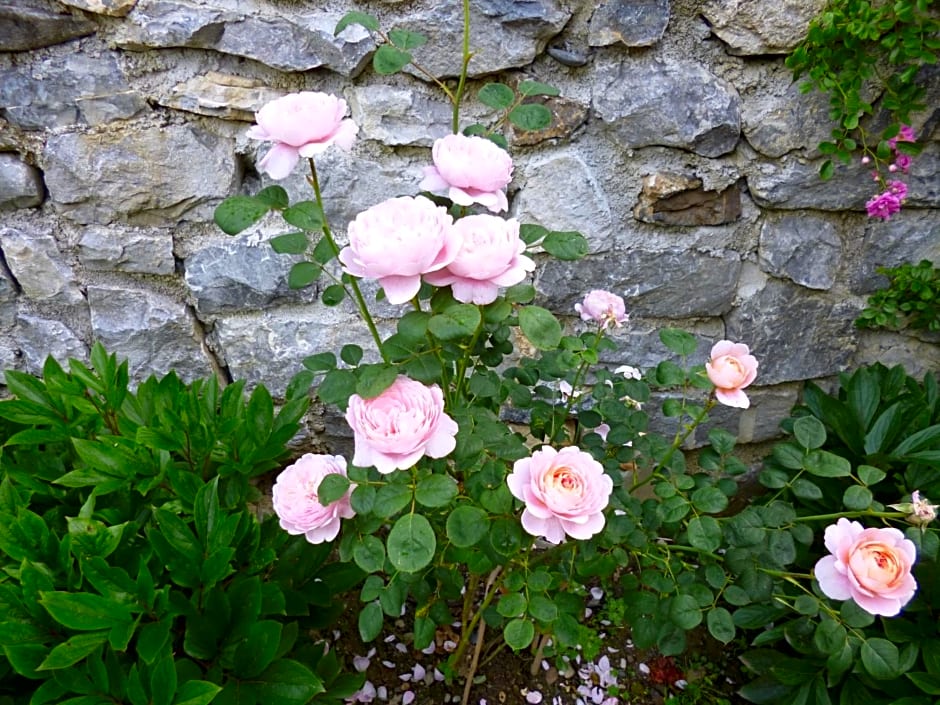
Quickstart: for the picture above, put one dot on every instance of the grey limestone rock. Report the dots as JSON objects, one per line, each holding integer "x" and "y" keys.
{"x": 805, "y": 248}
{"x": 237, "y": 276}
{"x": 761, "y": 27}
{"x": 68, "y": 90}
{"x": 220, "y": 95}
{"x": 562, "y": 193}
{"x": 654, "y": 284}
{"x": 37, "y": 338}
{"x": 286, "y": 40}
{"x": 20, "y": 184}
{"x": 636, "y": 23}
{"x": 154, "y": 332}
{"x": 909, "y": 236}
{"x": 794, "y": 333}
{"x": 646, "y": 102}
{"x": 394, "y": 115}
{"x": 111, "y": 8}
{"x": 676, "y": 199}
{"x": 116, "y": 249}
{"x": 31, "y": 24}
{"x": 917, "y": 356}
{"x": 503, "y": 33}
{"x": 38, "y": 267}
{"x": 142, "y": 177}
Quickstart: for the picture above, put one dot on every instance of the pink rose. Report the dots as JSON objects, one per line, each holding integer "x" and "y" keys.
{"x": 469, "y": 170}
{"x": 397, "y": 428}
{"x": 397, "y": 241}
{"x": 883, "y": 206}
{"x": 604, "y": 308}
{"x": 731, "y": 369}
{"x": 490, "y": 257}
{"x": 301, "y": 125}
{"x": 870, "y": 566}
{"x": 565, "y": 492}
{"x": 296, "y": 503}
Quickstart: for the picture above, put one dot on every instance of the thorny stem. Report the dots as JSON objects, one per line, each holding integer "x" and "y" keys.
{"x": 474, "y": 662}
{"x": 353, "y": 284}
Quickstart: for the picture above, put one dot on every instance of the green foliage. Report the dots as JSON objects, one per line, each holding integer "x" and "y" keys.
{"x": 911, "y": 299}
{"x": 135, "y": 566}
{"x": 856, "y": 49}
{"x": 853, "y": 453}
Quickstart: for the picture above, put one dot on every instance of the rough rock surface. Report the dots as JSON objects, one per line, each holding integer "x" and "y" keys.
{"x": 20, "y": 184}
{"x": 220, "y": 95}
{"x": 36, "y": 263}
{"x": 567, "y": 116}
{"x": 636, "y": 23}
{"x": 674, "y": 199}
{"x": 761, "y": 27}
{"x": 284, "y": 40}
{"x": 805, "y": 249}
{"x": 399, "y": 116}
{"x": 154, "y": 332}
{"x": 32, "y": 24}
{"x": 136, "y": 175}
{"x": 37, "y": 338}
{"x": 676, "y": 104}
{"x": 112, "y": 8}
{"x": 126, "y": 250}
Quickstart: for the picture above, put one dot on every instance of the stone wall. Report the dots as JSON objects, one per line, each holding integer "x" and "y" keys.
{"x": 680, "y": 148}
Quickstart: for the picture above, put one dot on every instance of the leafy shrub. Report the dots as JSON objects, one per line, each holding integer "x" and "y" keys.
{"x": 137, "y": 564}
{"x": 911, "y": 299}
{"x": 852, "y": 454}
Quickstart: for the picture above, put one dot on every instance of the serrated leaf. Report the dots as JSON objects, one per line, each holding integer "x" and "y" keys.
{"x": 541, "y": 327}
{"x": 389, "y": 59}
{"x": 530, "y": 117}
{"x": 361, "y": 18}
{"x": 496, "y": 95}
{"x": 238, "y": 213}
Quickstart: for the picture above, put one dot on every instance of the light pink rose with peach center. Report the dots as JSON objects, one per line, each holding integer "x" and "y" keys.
{"x": 397, "y": 241}
{"x": 400, "y": 426}
{"x": 565, "y": 492}
{"x": 301, "y": 125}
{"x": 297, "y": 504}
{"x": 870, "y": 566}
{"x": 469, "y": 170}
{"x": 731, "y": 369}
{"x": 489, "y": 257}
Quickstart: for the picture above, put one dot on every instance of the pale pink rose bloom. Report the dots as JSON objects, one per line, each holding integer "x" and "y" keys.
{"x": 731, "y": 369}
{"x": 296, "y": 502}
{"x": 469, "y": 170}
{"x": 565, "y": 492}
{"x": 870, "y": 566}
{"x": 301, "y": 125}
{"x": 397, "y": 428}
{"x": 490, "y": 257}
{"x": 397, "y": 241}
{"x": 604, "y": 308}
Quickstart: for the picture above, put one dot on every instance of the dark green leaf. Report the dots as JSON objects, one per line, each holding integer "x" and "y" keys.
{"x": 333, "y": 294}
{"x": 321, "y": 362}
{"x": 84, "y": 611}
{"x": 290, "y": 243}
{"x": 566, "y": 245}
{"x": 721, "y": 625}
{"x": 530, "y": 117}
{"x": 411, "y": 543}
{"x": 880, "y": 658}
{"x": 375, "y": 379}
{"x": 303, "y": 274}
{"x": 238, "y": 213}
{"x": 496, "y": 95}
{"x": 274, "y": 197}
{"x": 466, "y": 526}
{"x": 541, "y": 327}
{"x": 436, "y": 490}
{"x": 196, "y": 693}
{"x": 809, "y": 432}
{"x": 305, "y": 215}
{"x": 518, "y": 633}
{"x": 529, "y": 88}
{"x": 388, "y": 60}
{"x": 286, "y": 682}
{"x": 679, "y": 341}
{"x": 73, "y": 650}
{"x": 371, "y": 619}
{"x": 406, "y": 39}
{"x": 332, "y": 487}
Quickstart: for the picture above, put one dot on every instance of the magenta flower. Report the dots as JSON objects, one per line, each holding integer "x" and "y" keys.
{"x": 884, "y": 205}
{"x": 489, "y": 257}
{"x": 870, "y": 566}
{"x": 400, "y": 426}
{"x": 731, "y": 369}
{"x": 565, "y": 492}
{"x": 301, "y": 125}
{"x": 604, "y": 308}
{"x": 905, "y": 134}
{"x": 469, "y": 170}
{"x": 397, "y": 241}
{"x": 296, "y": 502}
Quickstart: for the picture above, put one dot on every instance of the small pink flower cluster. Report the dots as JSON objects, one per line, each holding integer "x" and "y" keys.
{"x": 889, "y": 201}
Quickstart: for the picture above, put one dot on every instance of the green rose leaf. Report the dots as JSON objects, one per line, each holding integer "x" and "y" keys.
{"x": 709, "y": 500}
{"x": 566, "y": 245}
{"x": 531, "y": 233}
{"x": 375, "y": 379}
{"x": 303, "y": 274}
{"x": 679, "y": 341}
{"x": 411, "y": 543}
{"x": 238, "y": 213}
{"x": 529, "y": 88}
{"x": 542, "y": 609}
{"x": 541, "y": 327}
{"x": 459, "y": 321}
{"x": 305, "y": 215}
{"x": 333, "y": 294}
{"x": 332, "y": 487}
{"x": 273, "y": 197}
{"x": 337, "y": 386}
{"x": 496, "y": 95}
{"x": 530, "y": 117}
{"x": 289, "y": 243}
{"x": 705, "y": 533}
{"x": 405, "y": 39}
{"x": 466, "y": 526}
{"x": 825, "y": 464}
{"x": 391, "y": 499}
{"x": 870, "y": 475}
{"x": 389, "y": 59}
{"x": 362, "y": 18}
{"x": 286, "y": 682}
{"x": 351, "y": 354}
{"x": 321, "y": 362}
{"x": 518, "y": 633}
{"x": 511, "y": 605}
{"x": 369, "y": 554}
{"x": 721, "y": 625}
{"x": 371, "y": 619}
{"x": 436, "y": 490}
{"x": 323, "y": 251}
{"x": 685, "y": 612}
{"x": 857, "y": 498}
{"x": 809, "y": 432}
